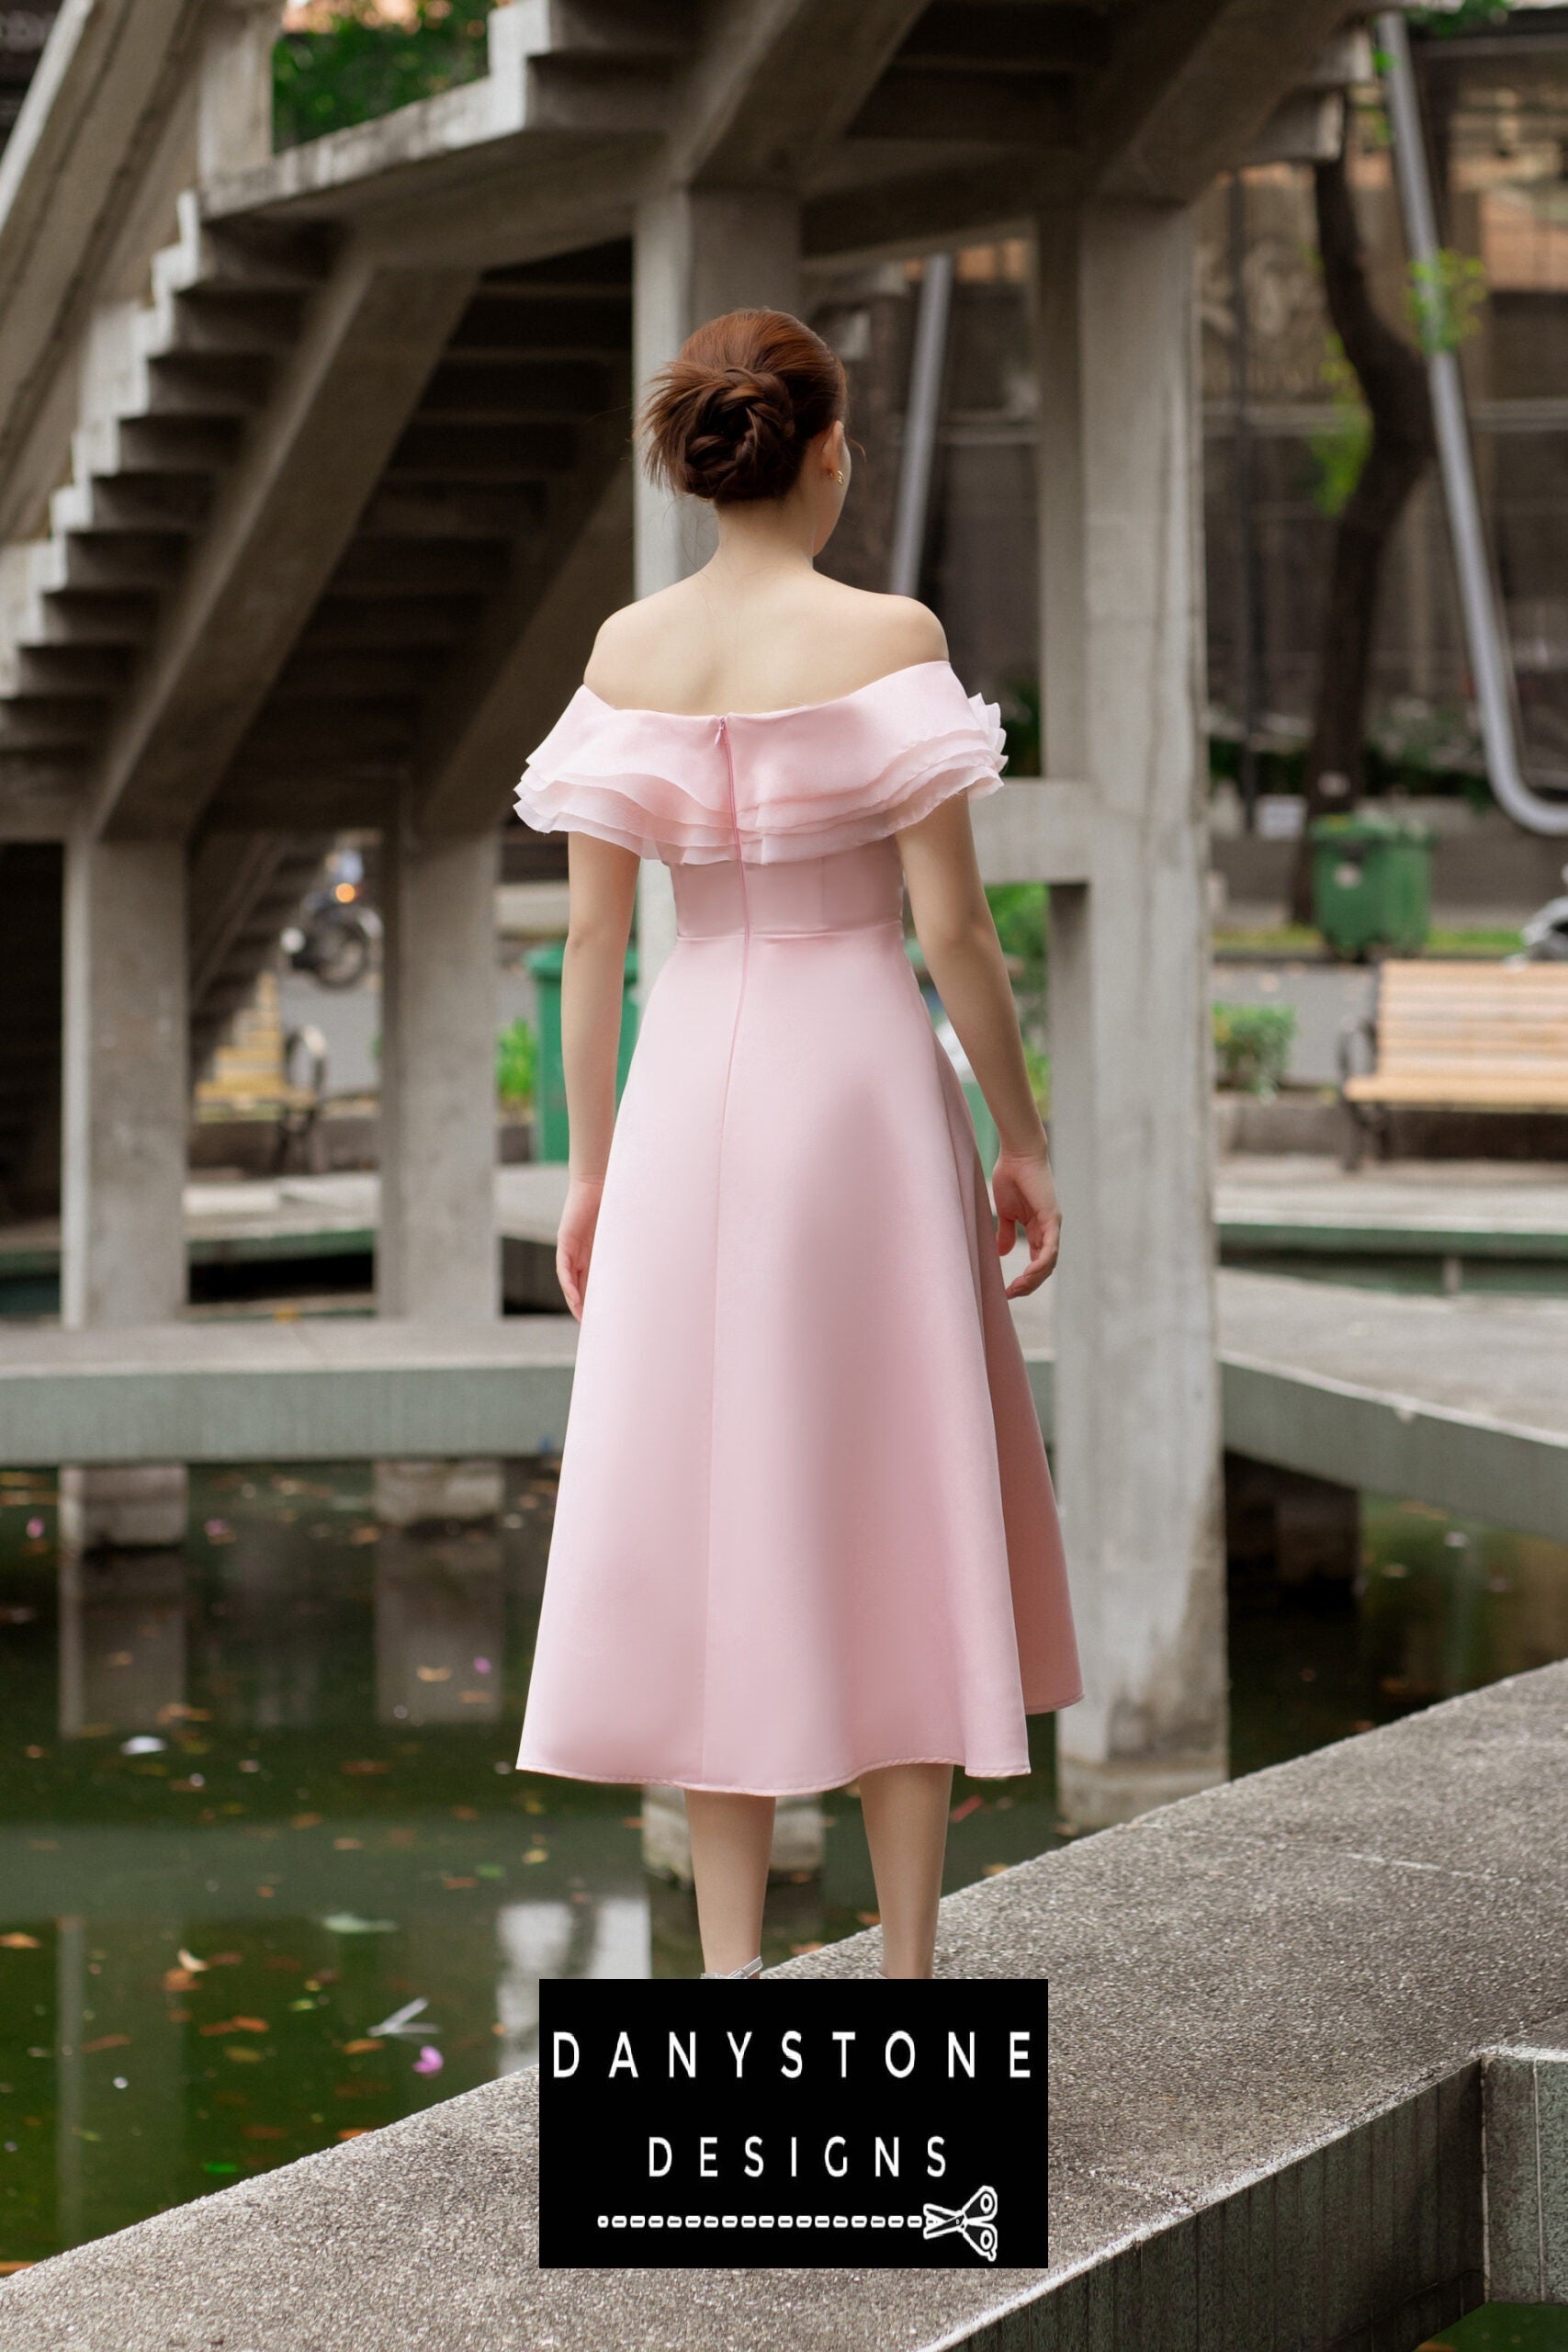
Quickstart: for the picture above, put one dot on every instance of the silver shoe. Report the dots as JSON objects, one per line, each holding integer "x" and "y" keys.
{"x": 752, "y": 1968}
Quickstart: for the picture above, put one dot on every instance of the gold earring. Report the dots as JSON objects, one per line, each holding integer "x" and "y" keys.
{"x": 838, "y": 474}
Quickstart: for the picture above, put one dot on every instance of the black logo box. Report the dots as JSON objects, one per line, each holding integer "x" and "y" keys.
{"x": 792, "y": 2124}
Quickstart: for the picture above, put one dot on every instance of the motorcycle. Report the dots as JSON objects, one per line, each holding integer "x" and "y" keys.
{"x": 337, "y": 932}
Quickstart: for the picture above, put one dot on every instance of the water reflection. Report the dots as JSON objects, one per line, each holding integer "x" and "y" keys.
{"x": 268, "y": 1879}
{"x": 440, "y": 1628}
{"x": 122, "y": 1642}
{"x": 580, "y": 1938}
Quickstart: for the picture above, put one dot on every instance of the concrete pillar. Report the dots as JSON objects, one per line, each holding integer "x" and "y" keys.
{"x": 438, "y": 1258}
{"x": 1137, "y": 1394}
{"x": 699, "y": 251}
{"x": 124, "y": 1108}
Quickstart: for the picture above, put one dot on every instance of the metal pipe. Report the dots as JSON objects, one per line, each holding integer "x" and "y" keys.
{"x": 920, "y": 420}
{"x": 1490, "y": 659}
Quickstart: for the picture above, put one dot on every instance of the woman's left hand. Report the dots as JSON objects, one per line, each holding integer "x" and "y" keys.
{"x": 574, "y": 1239}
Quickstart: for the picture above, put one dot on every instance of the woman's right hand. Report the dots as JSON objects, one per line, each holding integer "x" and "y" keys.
{"x": 1025, "y": 1193}
{"x": 574, "y": 1239}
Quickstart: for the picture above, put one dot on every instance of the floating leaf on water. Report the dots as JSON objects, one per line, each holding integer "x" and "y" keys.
{"x": 399, "y": 2021}
{"x": 105, "y": 2041}
{"x": 631, "y": 1821}
{"x": 465, "y": 1813}
{"x": 358, "y": 2049}
{"x": 489, "y": 1870}
{"x": 212, "y": 2167}
{"x": 348, "y": 1845}
{"x": 190, "y": 1959}
{"x": 431, "y": 1674}
{"x": 537, "y": 1854}
{"x": 18, "y": 1941}
{"x": 349, "y": 1923}
{"x": 263, "y": 2130}
{"x": 306, "y": 1821}
{"x": 449, "y": 1881}
{"x": 355, "y": 2131}
{"x": 367, "y": 1764}
{"x": 995, "y": 1870}
{"x": 145, "y": 1743}
{"x": 961, "y": 1812}
{"x": 797, "y": 1949}
{"x": 250, "y": 2057}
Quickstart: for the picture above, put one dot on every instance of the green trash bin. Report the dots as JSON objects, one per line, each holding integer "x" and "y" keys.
{"x": 551, "y": 1131}
{"x": 1371, "y": 882}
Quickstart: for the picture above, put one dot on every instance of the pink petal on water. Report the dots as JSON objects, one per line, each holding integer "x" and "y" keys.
{"x": 481, "y": 1666}
{"x": 429, "y": 2062}
{"x": 35, "y": 1528}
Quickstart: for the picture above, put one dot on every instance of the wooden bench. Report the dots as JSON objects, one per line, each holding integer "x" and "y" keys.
{"x": 1456, "y": 1036}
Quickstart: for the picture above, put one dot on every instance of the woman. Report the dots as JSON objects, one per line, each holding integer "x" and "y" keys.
{"x": 805, "y": 1532}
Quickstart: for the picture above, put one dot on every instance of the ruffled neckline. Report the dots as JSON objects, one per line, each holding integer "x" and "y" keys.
{"x": 785, "y": 710}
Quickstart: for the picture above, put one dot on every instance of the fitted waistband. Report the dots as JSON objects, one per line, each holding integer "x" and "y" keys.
{"x": 852, "y": 889}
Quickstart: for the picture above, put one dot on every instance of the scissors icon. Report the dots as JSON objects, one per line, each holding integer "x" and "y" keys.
{"x": 975, "y": 2223}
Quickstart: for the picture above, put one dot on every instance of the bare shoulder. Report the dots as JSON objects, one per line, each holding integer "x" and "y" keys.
{"x": 626, "y": 646}
{"x": 890, "y": 633}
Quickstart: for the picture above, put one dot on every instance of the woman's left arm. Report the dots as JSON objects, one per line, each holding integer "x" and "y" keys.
{"x": 602, "y": 880}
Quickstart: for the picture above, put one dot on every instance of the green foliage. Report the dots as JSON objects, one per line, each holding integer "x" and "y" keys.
{"x": 516, "y": 1064}
{"x": 1018, "y": 910}
{"x": 363, "y": 67}
{"x": 1446, "y": 295}
{"x": 1039, "y": 1066}
{"x": 1339, "y": 451}
{"x": 1019, "y": 701}
{"x": 1252, "y": 1046}
{"x": 1462, "y": 17}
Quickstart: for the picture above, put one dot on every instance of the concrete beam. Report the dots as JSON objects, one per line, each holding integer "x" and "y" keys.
{"x": 1035, "y": 831}
{"x": 1191, "y": 86}
{"x": 371, "y": 337}
{"x": 775, "y": 83}
{"x": 508, "y": 686}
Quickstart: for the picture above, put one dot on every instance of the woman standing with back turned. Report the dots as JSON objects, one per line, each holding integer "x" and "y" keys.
{"x": 805, "y": 1533}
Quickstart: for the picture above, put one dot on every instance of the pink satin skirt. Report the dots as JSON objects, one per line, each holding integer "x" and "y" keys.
{"x": 805, "y": 1524}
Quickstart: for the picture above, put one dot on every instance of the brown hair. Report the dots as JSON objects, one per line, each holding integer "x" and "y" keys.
{"x": 730, "y": 417}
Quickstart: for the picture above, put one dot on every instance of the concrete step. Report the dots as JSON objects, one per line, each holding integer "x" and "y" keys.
{"x": 132, "y": 502}
{"x": 37, "y": 723}
{"x": 252, "y": 255}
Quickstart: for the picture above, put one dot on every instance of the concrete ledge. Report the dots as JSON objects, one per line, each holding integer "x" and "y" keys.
{"x": 1269, "y": 2003}
{"x": 1462, "y": 1403}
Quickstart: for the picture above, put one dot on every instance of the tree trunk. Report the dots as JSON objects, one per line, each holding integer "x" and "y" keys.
{"x": 1393, "y": 376}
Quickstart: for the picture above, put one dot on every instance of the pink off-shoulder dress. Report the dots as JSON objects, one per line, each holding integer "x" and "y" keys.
{"x": 805, "y": 1524}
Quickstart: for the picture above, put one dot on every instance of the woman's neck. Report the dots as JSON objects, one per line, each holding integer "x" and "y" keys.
{"x": 764, "y": 534}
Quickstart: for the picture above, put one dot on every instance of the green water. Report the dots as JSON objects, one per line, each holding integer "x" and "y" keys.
{"x": 1505, "y": 2328}
{"x": 198, "y": 1939}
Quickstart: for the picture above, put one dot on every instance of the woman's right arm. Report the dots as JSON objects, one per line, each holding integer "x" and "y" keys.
{"x": 603, "y": 899}
{"x": 963, "y": 957}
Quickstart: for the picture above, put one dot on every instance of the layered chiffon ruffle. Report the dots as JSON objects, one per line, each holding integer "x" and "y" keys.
{"x": 793, "y": 783}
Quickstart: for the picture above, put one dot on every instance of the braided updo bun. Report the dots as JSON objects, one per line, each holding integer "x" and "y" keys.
{"x": 730, "y": 417}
